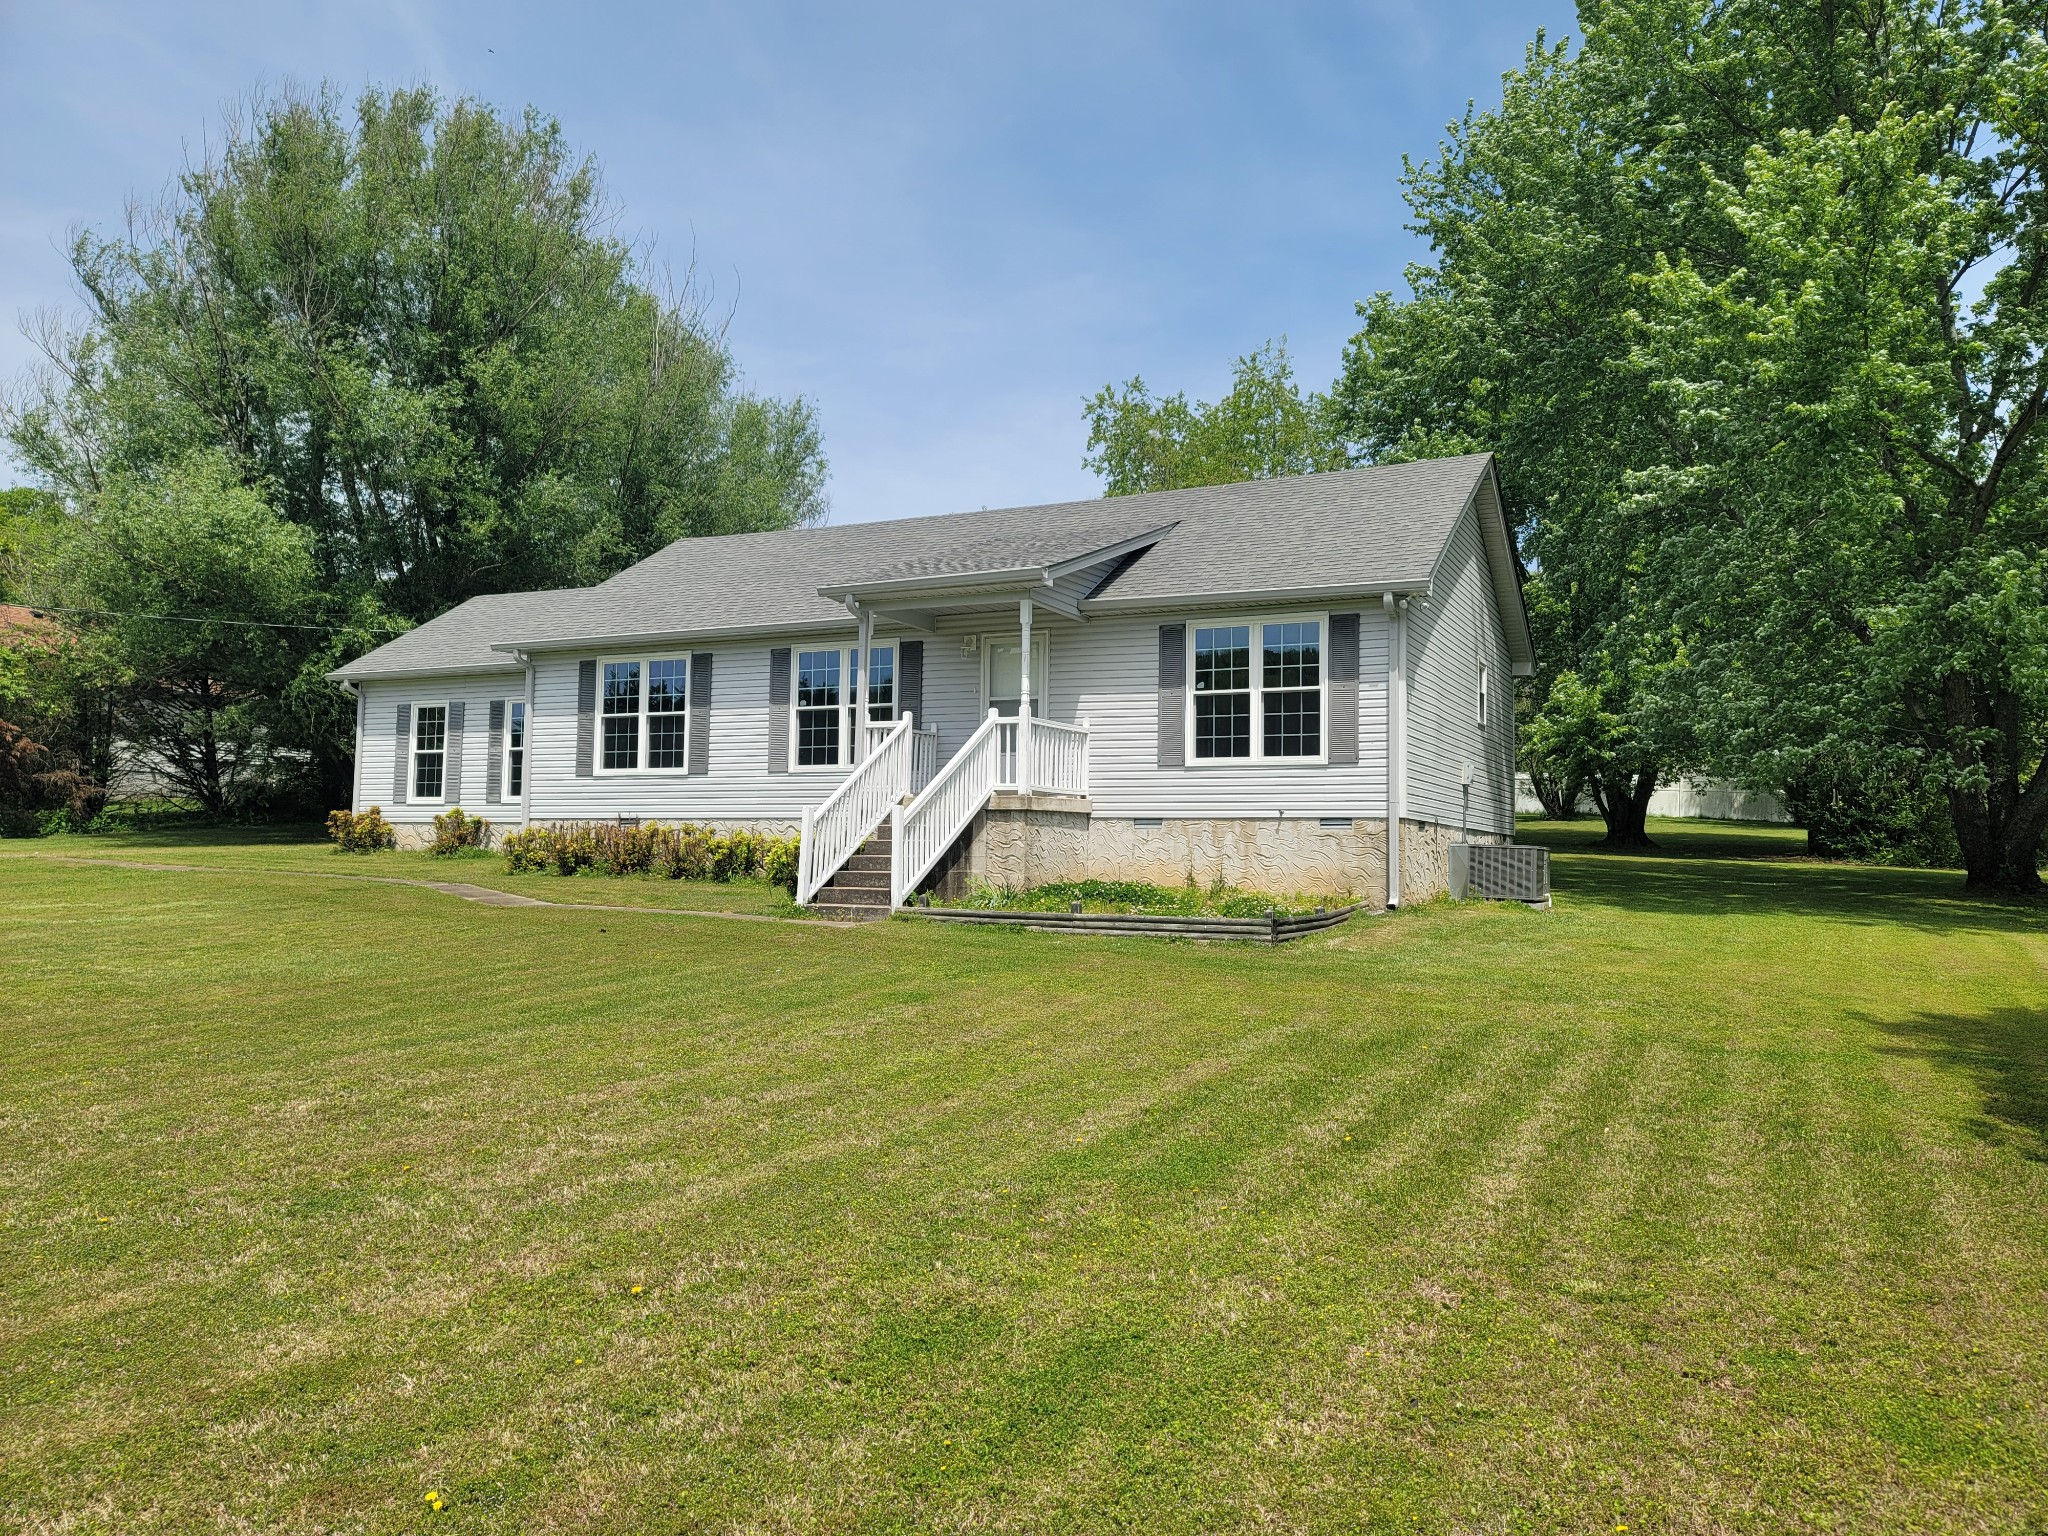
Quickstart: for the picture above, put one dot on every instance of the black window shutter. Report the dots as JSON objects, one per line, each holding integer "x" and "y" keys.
{"x": 910, "y": 679}
{"x": 1343, "y": 690}
{"x": 1173, "y": 695}
{"x": 494, "y": 765}
{"x": 700, "y": 712}
{"x": 451, "y": 783}
{"x": 778, "y": 709}
{"x": 401, "y": 762}
{"x": 586, "y": 715}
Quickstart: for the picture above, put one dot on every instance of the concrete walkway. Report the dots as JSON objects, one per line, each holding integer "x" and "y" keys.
{"x": 482, "y": 895}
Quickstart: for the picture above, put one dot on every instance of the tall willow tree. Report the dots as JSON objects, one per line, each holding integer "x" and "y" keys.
{"x": 1752, "y": 296}
{"x": 409, "y": 331}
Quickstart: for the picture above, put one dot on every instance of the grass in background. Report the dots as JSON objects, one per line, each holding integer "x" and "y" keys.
{"x": 1712, "y": 1200}
{"x": 306, "y": 850}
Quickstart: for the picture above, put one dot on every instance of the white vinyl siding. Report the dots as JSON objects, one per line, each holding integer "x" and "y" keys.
{"x": 1455, "y": 639}
{"x": 382, "y": 745}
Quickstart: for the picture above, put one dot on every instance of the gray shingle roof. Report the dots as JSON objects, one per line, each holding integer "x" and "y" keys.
{"x": 1357, "y": 530}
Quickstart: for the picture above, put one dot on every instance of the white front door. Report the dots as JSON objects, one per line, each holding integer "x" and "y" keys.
{"x": 1002, "y": 675}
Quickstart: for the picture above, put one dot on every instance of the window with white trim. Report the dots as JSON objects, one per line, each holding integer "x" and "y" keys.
{"x": 644, "y": 715}
{"x": 822, "y": 702}
{"x": 1257, "y": 691}
{"x": 1482, "y": 697}
{"x": 515, "y": 748}
{"x": 429, "y": 751}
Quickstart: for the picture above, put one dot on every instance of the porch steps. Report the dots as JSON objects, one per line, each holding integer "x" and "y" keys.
{"x": 859, "y": 892}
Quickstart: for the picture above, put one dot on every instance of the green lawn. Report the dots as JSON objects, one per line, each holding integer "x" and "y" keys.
{"x": 1714, "y": 1199}
{"x": 307, "y": 850}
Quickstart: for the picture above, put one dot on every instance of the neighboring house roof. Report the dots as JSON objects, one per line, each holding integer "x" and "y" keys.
{"x": 1346, "y": 532}
{"x": 16, "y": 619}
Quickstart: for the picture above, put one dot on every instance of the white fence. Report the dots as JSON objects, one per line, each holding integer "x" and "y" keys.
{"x": 927, "y": 826}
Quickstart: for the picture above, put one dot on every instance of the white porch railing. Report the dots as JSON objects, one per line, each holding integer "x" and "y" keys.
{"x": 851, "y": 812}
{"x": 924, "y": 751}
{"x": 927, "y": 826}
{"x": 1059, "y": 757}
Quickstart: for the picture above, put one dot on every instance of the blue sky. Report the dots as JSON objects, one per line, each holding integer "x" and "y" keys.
{"x": 944, "y": 224}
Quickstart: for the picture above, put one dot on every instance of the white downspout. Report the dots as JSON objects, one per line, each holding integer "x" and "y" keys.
{"x": 355, "y": 768}
{"x": 527, "y": 756}
{"x": 1397, "y": 738}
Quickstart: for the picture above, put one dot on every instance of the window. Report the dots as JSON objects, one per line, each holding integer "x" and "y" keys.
{"x": 646, "y": 716}
{"x": 817, "y": 708}
{"x": 621, "y": 715}
{"x": 668, "y": 717}
{"x": 515, "y": 748}
{"x": 882, "y": 683}
{"x": 1482, "y": 696}
{"x": 827, "y": 683}
{"x": 1257, "y": 691}
{"x": 1223, "y": 691}
{"x": 429, "y": 750}
{"x": 1292, "y": 689}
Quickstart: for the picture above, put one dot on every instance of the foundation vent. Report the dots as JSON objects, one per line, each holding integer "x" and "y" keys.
{"x": 1500, "y": 872}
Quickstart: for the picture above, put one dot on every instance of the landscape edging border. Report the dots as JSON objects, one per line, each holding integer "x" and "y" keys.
{"x": 1264, "y": 930}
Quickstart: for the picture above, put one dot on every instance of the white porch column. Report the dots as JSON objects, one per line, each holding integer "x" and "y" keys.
{"x": 859, "y": 684}
{"x": 1024, "y": 702}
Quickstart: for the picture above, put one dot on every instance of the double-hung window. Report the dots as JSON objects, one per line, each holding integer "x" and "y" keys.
{"x": 1257, "y": 691}
{"x": 515, "y": 748}
{"x": 429, "y": 751}
{"x": 645, "y": 715}
{"x": 828, "y": 684}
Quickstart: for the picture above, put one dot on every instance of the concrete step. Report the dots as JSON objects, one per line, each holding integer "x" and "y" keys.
{"x": 848, "y": 913}
{"x": 859, "y": 880}
{"x": 868, "y": 861}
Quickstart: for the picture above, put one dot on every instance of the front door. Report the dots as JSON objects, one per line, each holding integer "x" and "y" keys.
{"x": 1003, "y": 675}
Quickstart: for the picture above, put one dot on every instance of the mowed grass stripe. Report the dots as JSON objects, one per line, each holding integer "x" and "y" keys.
{"x": 844, "y": 1169}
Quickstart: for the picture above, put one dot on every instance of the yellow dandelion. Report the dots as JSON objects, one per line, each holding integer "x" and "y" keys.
{"x": 638, "y": 1289}
{"x": 434, "y": 1500}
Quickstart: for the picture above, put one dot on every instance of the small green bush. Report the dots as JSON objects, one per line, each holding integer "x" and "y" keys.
{"x": 455, "y": 832}
{"x": 779, "y": 863}
{"x": 683, "y": 851}
{"x": 360, "y": 831}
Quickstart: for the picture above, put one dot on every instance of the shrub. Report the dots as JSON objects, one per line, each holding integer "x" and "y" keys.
{"x": 779, "y": 862}
{"x": 455, "y": 832}
{"x": 360, "y": 831}
{"x": 683, "y": 851}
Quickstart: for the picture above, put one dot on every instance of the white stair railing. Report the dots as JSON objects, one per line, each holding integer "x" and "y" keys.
{"x": 928, "y": 826}
{"x": 1059, "y": 757}
{"x": 924, "y": 750}
{"x": 850, "y": 814}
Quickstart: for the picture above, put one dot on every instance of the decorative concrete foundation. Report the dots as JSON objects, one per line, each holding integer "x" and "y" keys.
{"x": 1027, "y": 840}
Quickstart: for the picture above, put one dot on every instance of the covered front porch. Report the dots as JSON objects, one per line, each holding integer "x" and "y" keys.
{"x": 908, "y": 800}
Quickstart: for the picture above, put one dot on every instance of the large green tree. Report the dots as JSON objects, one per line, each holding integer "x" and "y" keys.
{"x": 1752, "y": 297}
{"x": 409, "y": 330}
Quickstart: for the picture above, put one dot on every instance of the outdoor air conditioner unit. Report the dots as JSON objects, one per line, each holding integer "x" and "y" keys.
{"x": 1500, "y": 872}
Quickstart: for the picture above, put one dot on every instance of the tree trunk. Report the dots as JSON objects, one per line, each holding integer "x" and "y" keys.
{"x": 1625, "y": 806}
{"x": 2000, "y": 825}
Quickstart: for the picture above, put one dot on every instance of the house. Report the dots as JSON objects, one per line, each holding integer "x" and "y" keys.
{"x": 1239, "y": 683}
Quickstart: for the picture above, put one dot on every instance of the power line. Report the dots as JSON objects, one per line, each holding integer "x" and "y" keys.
{"x": 40, "y": 609}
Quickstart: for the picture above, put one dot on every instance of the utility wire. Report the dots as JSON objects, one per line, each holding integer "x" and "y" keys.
{"x": 40, "y": 609}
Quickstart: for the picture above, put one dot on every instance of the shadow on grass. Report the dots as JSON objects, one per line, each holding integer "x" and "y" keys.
{"x": 1931, "y": 900}
{"x": 2004, "y": 1053}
